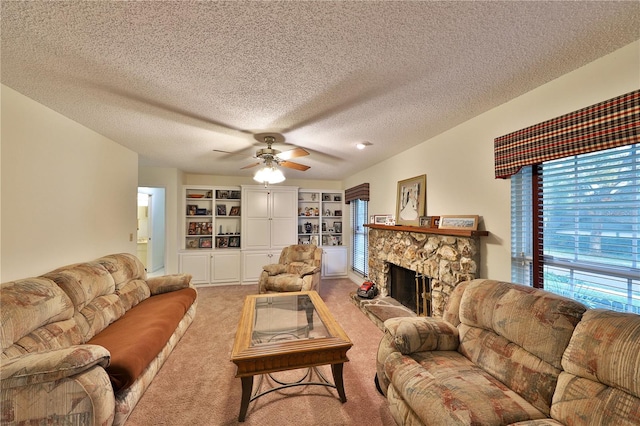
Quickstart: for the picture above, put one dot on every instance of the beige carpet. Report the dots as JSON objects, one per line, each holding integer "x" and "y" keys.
{"x": 197, "y": 384}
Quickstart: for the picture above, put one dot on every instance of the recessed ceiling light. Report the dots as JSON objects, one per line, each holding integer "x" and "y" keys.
{"x": 363, "y": 145}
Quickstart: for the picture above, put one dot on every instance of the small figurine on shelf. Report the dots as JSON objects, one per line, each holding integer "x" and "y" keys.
{"x": 316, "y": 212}
{"x": 308, "y": 227}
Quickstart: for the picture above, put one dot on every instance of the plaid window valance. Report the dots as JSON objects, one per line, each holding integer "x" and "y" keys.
{"x": 357, "y": 192}
{"x": 605, "y": 125}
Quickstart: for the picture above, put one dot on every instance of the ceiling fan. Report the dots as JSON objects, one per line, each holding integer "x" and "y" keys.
{"x": 273, "y": 157}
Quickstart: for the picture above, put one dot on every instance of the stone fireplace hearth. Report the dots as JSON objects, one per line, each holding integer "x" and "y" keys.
{"x": 447, "y": 257}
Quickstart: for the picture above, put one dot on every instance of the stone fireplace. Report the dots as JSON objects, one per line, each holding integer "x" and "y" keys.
{"x": 447, "y": 258}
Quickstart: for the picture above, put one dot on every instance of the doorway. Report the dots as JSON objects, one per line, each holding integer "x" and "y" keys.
{"x": 151, "y": 229}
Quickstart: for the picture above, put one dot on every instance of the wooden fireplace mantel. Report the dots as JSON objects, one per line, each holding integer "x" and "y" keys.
{"x": 435, "y": 231}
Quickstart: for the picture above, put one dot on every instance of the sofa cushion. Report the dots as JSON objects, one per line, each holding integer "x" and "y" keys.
{"x": 602, "y": 365}
{"x": 83, "y": 282}
{"x": 521, "y": 371}
{"x": 138, "y": 336}
{"x": 445, "y": 388}
{"x": 28, "y": 304}
{"x": 538, "y": 321}
{"x": 123, "y": 267}
{"x": 518, "y": 334}
{"x": 57, "y": 335}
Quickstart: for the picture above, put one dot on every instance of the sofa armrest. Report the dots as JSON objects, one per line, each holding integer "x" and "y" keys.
{"x": 275, "y": 269}
{"x": 51, "y": 366}
{"x": 167, "y": 283}
{"x": 420, "y": 334}
{"x": 303, "y": 269}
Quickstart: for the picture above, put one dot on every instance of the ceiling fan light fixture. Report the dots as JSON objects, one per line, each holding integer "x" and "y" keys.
{"x": 269, "y": 175}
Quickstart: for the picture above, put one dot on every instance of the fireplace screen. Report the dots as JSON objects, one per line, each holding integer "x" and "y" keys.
{"x": 411, "y": 289}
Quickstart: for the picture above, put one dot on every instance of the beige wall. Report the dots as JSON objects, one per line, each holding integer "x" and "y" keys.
{"x": 459, "y": 163}
{"x": 68, "y": 194}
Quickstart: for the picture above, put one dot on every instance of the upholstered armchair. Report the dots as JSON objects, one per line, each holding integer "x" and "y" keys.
{"x": 298, "y": 269}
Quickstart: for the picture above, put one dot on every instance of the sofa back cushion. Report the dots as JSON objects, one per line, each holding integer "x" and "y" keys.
{"x": 28, "y": 304}
{"x": 129, "y": 276}
{"x": 518, "y": 334}
{"x": 601, "y": 381}
{"x": 91, "y": 288}
{"x": 304, "y": 253}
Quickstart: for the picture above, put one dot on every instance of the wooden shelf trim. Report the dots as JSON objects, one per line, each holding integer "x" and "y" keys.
{"x": 435, "y": 231}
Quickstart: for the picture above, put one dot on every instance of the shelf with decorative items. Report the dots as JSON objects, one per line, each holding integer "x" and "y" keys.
{"x": 227, "y": 218}
{"x": 211, "y": 227}
{"x": 198, "y": 222}
{"x": 309, "y": 217}
{"x": 331, "y": 218}
{"x": 320, "y": 217}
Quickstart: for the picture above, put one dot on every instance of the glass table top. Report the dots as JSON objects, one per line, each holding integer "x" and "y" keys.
{"x": 286, "y": 318}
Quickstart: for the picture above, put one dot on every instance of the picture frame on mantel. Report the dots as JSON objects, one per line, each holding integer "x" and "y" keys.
{"x": 380, "y": 219}
{"x": 411, "y": 200}
{"x": 468, "y": 222}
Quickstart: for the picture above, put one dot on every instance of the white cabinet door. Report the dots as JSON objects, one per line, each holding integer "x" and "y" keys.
{"x": 284, "y": 208}
{"x": 196, "y": 264}
{"x": 253, "y": 261}
{"x": 334, "y": 262}
{"x": 257, "y": 223}
{"x": 225, "y": 267}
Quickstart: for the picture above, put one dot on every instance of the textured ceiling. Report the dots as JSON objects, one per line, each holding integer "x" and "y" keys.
{"x": 175, "y": 81}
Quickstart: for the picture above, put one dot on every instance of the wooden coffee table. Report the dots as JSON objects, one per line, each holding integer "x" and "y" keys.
{"x": 286, "y": 331}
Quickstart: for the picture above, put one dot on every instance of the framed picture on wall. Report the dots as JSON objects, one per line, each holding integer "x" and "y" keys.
{"x": 411, "y": 200}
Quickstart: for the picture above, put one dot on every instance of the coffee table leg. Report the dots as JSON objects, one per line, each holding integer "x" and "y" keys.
{"x": 336, "y": 369}
{"x": 247, "y": 386}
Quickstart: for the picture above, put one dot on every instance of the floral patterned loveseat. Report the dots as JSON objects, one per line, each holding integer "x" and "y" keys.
{"x": 508, "y": 354}
{"x": 81, "y": 344}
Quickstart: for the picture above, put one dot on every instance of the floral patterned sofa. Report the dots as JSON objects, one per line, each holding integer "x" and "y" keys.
{"x": 508, "y": 354}
{"x": 81, "y": 344}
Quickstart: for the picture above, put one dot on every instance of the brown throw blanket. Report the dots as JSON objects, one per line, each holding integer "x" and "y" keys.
{"x": 138, "y": 336}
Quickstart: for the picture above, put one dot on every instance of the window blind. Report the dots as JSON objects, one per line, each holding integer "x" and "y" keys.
{"x": 360, "y": 242}
{"x": 590, "y": 221}
{"x": 522, "y": 227}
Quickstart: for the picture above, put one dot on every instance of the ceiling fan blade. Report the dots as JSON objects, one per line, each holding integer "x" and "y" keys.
{"x": 293, "y": 153}
{"x": 292, "y": 165}
{"x": 251, "y": 165}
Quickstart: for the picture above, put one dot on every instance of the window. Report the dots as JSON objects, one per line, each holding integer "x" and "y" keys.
{"x": 359, "y": 246}
{"x": 587, "y": 215}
